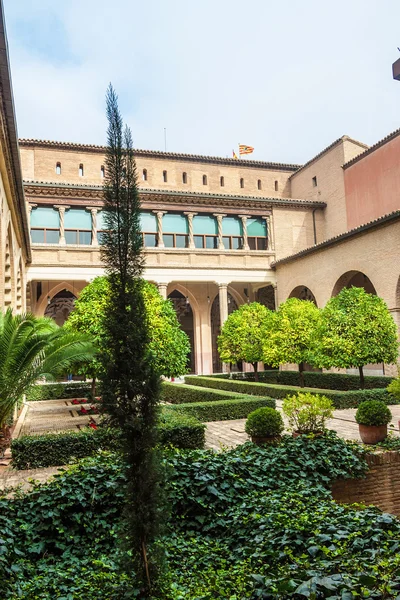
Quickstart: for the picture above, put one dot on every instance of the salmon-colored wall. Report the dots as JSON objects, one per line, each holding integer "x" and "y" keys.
{"x": 372, "y": 184}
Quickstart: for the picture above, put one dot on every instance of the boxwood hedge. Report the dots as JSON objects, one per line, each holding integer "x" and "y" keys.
{"x": 223, "y": 410}
{"x": 58, "y": 391}
{"x": 314, "y": 379}
{"x": 53, "y": 449}
{"x": 340, "y": 399}
{"x": 178, "y": 393}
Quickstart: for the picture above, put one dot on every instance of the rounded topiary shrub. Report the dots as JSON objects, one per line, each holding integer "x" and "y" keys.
{"x": 264, "y": 422}
{"x": 373, "y": 412}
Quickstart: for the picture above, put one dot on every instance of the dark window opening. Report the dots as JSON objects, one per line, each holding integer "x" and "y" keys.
{"x": 58, "y": 168}
{"x": 276, "y": 186}
{"x": 102, "y": 172}
{"x": 204, "y": 179}
{"x": 222, "y": 181}
{"x": 241, "y": 182}
{"x": 164, "y": 174}
{"x": 314, "y": 181}
{"x": 80, "y": 170}
{"x": 184, "y": 177}
{"x": 259, "y": 184}
{"x": 144, "y": 175}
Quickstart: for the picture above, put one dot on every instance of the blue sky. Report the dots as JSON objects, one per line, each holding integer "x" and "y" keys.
{"x": 284, "y": 76}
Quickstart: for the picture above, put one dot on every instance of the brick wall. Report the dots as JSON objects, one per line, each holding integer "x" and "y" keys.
{"x": 381, "y": 487}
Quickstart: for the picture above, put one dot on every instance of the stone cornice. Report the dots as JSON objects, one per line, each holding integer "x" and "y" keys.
{"x": 70, "y": 192}
{"x": 198, "y": 158}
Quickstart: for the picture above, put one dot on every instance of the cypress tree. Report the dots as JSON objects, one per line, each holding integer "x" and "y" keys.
{"x": 130, "y": 384}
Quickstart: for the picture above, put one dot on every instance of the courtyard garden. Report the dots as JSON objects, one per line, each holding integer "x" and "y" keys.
{"x": 150, "y": 502}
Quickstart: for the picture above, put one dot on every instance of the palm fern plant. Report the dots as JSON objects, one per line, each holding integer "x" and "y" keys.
{"x": 32, "y": 348}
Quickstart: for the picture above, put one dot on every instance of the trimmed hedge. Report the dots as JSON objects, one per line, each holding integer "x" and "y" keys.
{"x": 181, "y": 430}
{"x": 223, "y": 410}
{"x": 58, "y": 391}
{"x": 55, "y": 449}
{"x": 350, "y": 399}
{"x": 178, "y": 393}
{"x": 314, "y": 379}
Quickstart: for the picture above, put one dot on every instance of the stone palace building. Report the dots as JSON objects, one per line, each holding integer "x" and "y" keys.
{"x": 217, "y": 232}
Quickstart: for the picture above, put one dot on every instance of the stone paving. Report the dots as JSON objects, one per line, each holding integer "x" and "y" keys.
{"x": 229, "y": 434}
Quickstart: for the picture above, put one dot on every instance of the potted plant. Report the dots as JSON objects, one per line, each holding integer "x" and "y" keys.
{"x": 307, "y": 413}
{"x": 264, "y": 425}
{"x": 373, "y": 417}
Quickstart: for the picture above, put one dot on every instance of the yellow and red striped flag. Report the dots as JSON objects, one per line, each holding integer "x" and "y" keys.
{"x": 244, "y": 149}
{"x": 234, "y": 154}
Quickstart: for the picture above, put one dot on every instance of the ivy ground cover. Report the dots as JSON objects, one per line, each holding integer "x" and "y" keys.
{"x": 251, "y": 522}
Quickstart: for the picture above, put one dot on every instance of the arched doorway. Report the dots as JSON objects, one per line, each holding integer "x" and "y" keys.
{"x": 303, "y": 293}
{"x": 353, "y": 279}
{"x": 184, "y": 314}
{"x": 216, "y": 328}
{"x": 60, "y": 306}
{"x": 8, "y": 272}
{"x": 266, "y": 296}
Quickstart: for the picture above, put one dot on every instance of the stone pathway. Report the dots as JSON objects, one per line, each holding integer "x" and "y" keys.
{"x": 229, "y": 434}
{"x": 22, "y": 479}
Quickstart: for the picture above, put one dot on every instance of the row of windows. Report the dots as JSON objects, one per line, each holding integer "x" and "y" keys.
{"x": 205, "y": 180}
{"x": 81, "y": 170}
{"x": 81, "y": 173}
{"x": 150, "y": 240}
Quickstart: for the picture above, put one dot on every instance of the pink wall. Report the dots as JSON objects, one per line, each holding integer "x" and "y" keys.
{"x": 372, "y": 184}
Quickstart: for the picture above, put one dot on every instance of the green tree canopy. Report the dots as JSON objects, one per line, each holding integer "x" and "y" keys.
{"x": 356, "y": 329}
{"x": 168, "y": 344}
{"x": 243, "y": 334}
{"x": 293, "y": 334}
{"x": 32, "y": 348}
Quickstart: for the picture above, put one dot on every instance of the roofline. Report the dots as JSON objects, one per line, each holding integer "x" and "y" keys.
{"x": 163, "y": 155}
{"x": 382, "y": 142}
{"x": 12, "y": 134}
{"x": 394, "y": 216}
{"x": 150, "y": 191}
{"x": 327, "y": 149}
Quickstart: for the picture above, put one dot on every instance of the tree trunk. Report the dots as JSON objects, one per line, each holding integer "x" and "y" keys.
{"x": 362, "y": 381}
{"x": 93, "y": 388}
{"x": 301, "y": 373}
{"x": 255, "y": 367}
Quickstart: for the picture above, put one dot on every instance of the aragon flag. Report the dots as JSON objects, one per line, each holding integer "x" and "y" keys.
{"x": 244, "y": 149}
{"x": 234, "y": 154}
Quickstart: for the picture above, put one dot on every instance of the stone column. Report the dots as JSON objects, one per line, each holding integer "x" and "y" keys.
{"x": 29, "y": 209}
{"x": 94, "y": 212}
{"x": 244, "y": 226}
{"x": 162, "y": 288}
{"x": 61, "y": 210}
{"x": 270, "y": 233}
{"x": 275, "y": 295}
{"x": 190, "y": 216}
{"x": 223, "y": 312}
{"x": 219, "y": 221}
{"x": 159, "y": 214}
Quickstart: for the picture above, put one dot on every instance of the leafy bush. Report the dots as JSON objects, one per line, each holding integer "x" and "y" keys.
{"x": 314, "y": 379}
{"x": 223, "y": 410}
{"x": 264, "y": 422}
{"x": 394, "y": 389}
{"x": 58, "y": 391}
{"x": 181, "y": 430}
{"x": 178, "y": 393}
{"x": 373, "y": 412}
{"x": 307, "y": 413}
{"x": 55, "y": 449}
{"x": 350, "y": 399}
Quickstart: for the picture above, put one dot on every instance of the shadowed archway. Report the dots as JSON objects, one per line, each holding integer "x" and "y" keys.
{"x": 216, "y": 328}
{"x": 354, "y": 279}
{"x": 184, "y": 314}
{"x": 303, "y": 293}
{"x": 60, "y": 307}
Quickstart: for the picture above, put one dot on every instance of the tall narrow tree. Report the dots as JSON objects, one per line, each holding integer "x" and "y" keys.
{"x": 130, "y": 382}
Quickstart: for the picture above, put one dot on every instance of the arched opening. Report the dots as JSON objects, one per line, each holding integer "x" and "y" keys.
{"x": 354, "y": 279}
{"x": 184, "y": 177}
{"x": 241, "y": 182}
{"x": 222, "y": 181}
{"x": 58, "y": 168}
{"x": 303, "y": 293}
{"x": 81, "y": 170}
{"x": 165, "y": 176}
{"x": 184, "y": 314}
{"x": 276, "y": 186}
{"x": 204, "y": 179}
{"x": 144, "y": 175}
{"x": 259, "y": 185}
{"x": 266, "y": 297}
{"x": 102, "y": 172}
{"x": 216, "y": 329}
{"x": 60, "y": 306}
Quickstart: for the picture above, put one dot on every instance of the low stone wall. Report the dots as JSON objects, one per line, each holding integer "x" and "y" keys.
{"x": 381, "y": 486}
